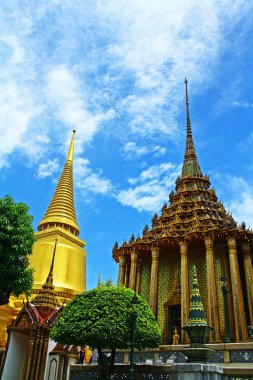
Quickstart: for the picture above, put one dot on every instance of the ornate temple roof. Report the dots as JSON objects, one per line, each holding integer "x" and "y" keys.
{"x": 43, "y": 310}
{"x": 193, "y": 211}
{"x": 61, "y": 210}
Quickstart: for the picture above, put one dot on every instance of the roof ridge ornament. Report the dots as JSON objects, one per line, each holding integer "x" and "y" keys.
{"x": 49, "y": 281}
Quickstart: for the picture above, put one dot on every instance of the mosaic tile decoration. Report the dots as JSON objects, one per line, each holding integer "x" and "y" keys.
{"x": 145, "y": 278}
{"x": 167, "y": 278}
{"x": 241, "y": 356}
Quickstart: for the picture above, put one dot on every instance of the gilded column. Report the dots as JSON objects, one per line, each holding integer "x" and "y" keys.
{"x": 226, "y": 272}
{"x": 30, "y": 357}
{"x": 39, "y": 353}
{"x": 213, "y": 315}
{"x": 133, "y": 270}
{"x": 139, "y": 273}
{"x": 122, "y": 266}
{"x": 154, "y": 280}
{"x": 44, "y": 355}
{"x": 239, "y": 314}
{"x": 248, "y": 270}
{"x": 59, "y": 369}
{"x": 126, "y": 276}
{"x": 184, "y": 289}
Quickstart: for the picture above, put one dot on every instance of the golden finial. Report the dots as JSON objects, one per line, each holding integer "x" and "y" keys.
{"x": 46, "y": 299}
{"x": 49, "y": 281}
{"x": 71, "y": 148}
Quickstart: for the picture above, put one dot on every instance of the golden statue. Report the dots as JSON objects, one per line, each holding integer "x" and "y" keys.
{"x": 176, "y": 337}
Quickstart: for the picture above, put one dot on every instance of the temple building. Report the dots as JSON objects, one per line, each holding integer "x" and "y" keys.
{"x": 59, "y": 223}
{"x": 193, "y": 229}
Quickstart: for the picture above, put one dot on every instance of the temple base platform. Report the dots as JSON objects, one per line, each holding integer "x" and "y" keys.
{"x": 229, "y": 361}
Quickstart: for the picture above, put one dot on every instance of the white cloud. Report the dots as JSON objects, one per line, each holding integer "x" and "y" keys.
{"x": 48, "y": 169}
{"x": 151, "y": 188}
{"x": 131, "y": 150}
{"x": 17, "y": 110}
{"x": 156, "y": 51}
{"x": 105, "y": 60}
{"x": 241, "y": 199}
{"x": 71, "y": 107}
{"x": 243, "y": 104}
{"x": 90, "y": 181}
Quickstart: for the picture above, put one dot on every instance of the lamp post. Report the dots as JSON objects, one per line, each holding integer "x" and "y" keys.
{"x": 226, "y": 312}
{"x": 134, "y": 315}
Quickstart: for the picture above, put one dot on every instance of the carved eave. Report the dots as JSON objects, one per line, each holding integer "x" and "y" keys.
{"x": 30, "y": 318}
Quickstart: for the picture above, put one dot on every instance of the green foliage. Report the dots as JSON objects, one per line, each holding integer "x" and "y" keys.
{"x": 107, "y": 283}
{"x": 101, "y": 318}
{"x": 16, "y": 240}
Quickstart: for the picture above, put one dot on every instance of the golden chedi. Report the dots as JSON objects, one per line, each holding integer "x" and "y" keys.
{"x": 193, "y": 229}
{"x": 59, "y": 222}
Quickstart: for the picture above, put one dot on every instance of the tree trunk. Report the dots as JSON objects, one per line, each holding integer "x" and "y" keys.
{"x": 112, "y": 362}
{"x": 101, "y": 363}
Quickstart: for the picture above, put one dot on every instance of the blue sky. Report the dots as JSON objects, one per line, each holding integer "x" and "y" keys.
{"x": 114, "y": 71}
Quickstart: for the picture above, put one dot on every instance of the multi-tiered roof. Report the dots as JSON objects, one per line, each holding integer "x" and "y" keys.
{"x": 194, "y": 210}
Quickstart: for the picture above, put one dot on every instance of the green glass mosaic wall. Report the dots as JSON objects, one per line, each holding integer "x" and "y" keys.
{"x": 167, "y": 277}
{"x": 145, "y": 278}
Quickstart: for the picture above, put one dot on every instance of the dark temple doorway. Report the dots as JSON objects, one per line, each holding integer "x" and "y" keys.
{"x": 174, "y": 320}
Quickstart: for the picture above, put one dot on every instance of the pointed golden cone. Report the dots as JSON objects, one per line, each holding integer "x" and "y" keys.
{"x": 61, "y": 211}
{"x": 46, "y": 300}
{"x": 197, "y": 315}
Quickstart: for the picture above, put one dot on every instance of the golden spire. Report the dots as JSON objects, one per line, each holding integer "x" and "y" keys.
{"x": 49, "y": 281}
{"x": 46, "y": 300}
{"x": 61, "y": 211}
{"x": 190, "y": 166}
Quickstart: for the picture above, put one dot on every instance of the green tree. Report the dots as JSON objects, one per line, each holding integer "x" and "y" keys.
{"x": 16, "y": 240}
{"x": 101, "y": 319}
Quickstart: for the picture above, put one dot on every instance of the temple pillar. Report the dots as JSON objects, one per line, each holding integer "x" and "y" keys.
{"x": 39, "y": 353}
{"x": 239, "y": 314}
{"x": 226, "y": 273}
{"x": 184, "y": 289}
{"x": 154, "y": 280}
{"x": 126, "y": 276}
{"x": 133, "y": 270}
{"x": 248, "y": 270}
{"x": 122, "y": 267}
{"x": 59, "y": 369}
{"x": 139, "y": 273}
{"x": 30, "y": 357}
{"x": 44, "y": 354}
{"x": 213, "y": 315}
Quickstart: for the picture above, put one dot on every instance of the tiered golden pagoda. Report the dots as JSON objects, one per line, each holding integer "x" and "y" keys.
{"x": 193, "y": 229}
{"x": 59, "y": 222}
